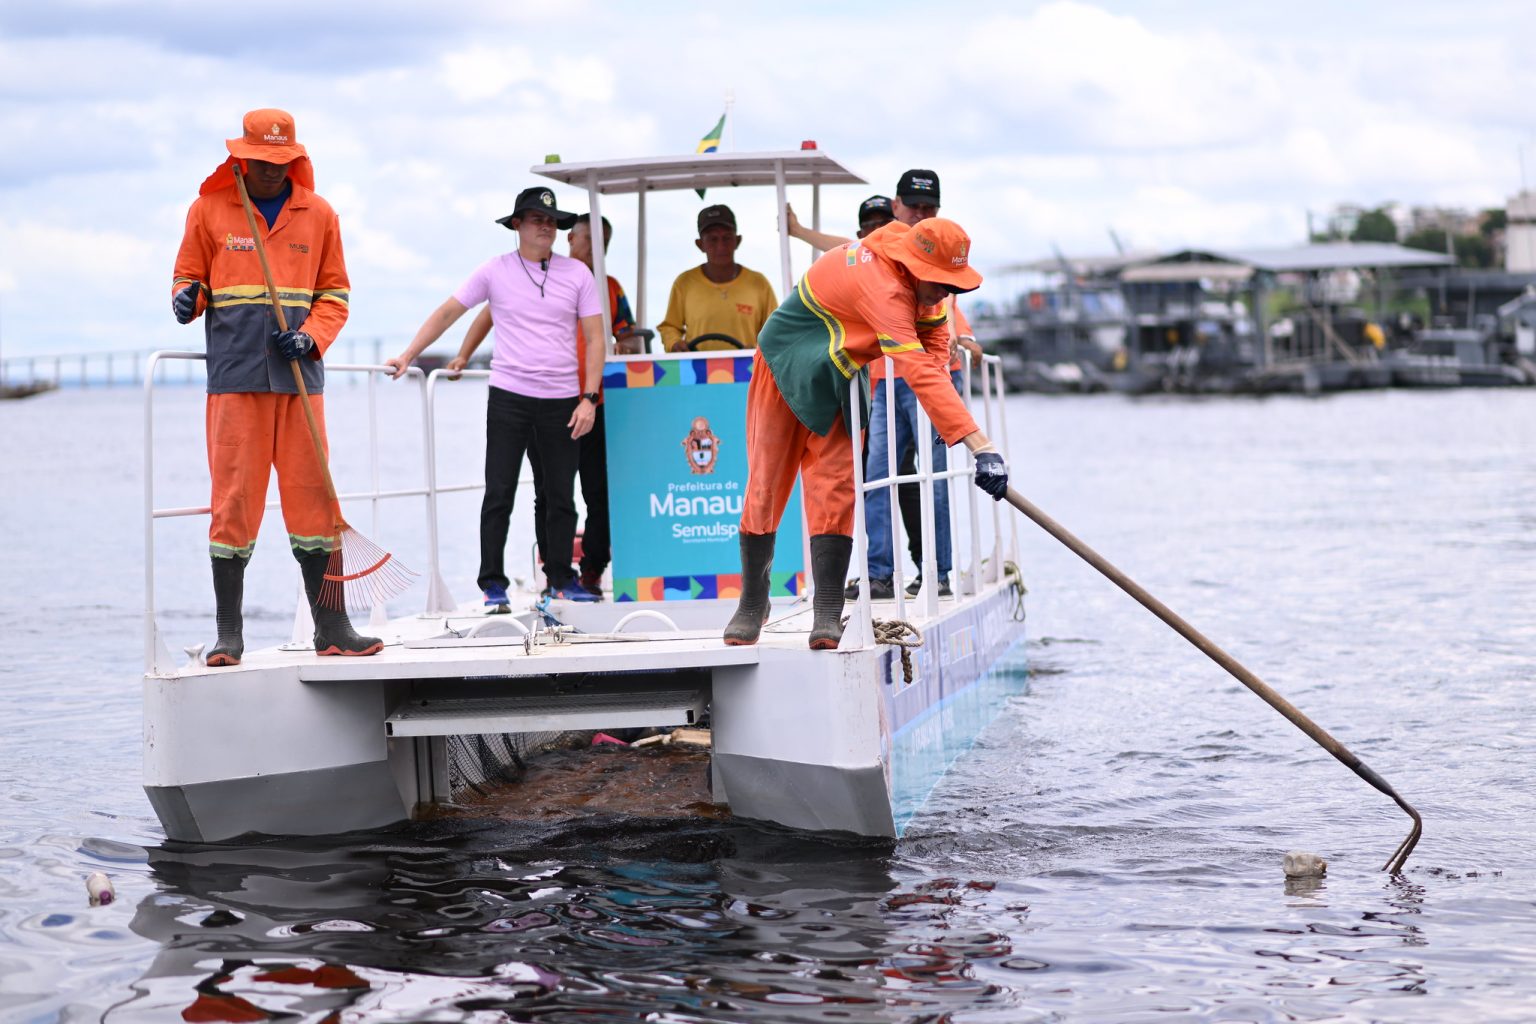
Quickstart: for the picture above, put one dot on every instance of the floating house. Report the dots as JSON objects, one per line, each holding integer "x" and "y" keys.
{"x": 1317, "y": 317}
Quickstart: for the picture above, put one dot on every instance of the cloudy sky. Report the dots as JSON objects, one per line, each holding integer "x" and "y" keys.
{"x": 1172, "y": 122}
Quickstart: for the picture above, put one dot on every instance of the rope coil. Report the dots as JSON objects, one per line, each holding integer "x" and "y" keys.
{"x": 903, "y": 635}
{"x": 1015, "y": 577}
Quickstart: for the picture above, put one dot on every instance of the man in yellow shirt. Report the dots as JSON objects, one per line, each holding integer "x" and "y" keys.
{"x": 721, "y": 304}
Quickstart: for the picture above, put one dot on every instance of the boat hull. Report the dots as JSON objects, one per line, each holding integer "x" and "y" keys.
{"x": 290, "y": 744}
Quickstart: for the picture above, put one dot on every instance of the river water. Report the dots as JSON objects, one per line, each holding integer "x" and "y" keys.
{"x": 1110, "y": 851}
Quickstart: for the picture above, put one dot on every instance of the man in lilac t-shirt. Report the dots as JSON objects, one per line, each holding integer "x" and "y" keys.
{"x": 537, "y": 299}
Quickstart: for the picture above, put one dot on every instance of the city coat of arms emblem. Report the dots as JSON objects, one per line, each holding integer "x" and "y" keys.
{"x": 702, "y": 446}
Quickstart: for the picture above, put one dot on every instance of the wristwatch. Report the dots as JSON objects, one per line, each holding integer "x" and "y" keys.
{"x": 593, "y": 396}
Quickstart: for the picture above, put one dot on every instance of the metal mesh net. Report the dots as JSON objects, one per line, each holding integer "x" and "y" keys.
{"x": 477, "y": 764}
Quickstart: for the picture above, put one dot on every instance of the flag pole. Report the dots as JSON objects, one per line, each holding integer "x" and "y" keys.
{"x": 730, "y": 122}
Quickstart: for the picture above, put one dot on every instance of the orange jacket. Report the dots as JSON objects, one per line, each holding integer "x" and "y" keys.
{"x": 957, "y": 325}
{"x": 304, "y": 250}
{"x": 853, "y": 306}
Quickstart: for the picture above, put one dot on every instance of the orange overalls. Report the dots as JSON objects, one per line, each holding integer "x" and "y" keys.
{"x": 853, "y": 306}
{"x": 254, "y": 420}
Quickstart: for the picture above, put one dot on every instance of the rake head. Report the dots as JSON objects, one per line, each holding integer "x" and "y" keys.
{"x": 361, "y": 574}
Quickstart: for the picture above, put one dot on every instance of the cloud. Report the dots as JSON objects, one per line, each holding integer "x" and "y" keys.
{"x": 1173, "y": 123}
{"x": 298, "y": 35}
{"x": 484, "y": 72}
{"x": 92, "y": 277}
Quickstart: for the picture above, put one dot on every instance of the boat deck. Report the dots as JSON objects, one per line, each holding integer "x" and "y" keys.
{"x": 422, "y": 647}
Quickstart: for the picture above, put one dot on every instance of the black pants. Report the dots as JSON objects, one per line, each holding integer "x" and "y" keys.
{"x": 515, "y": 424}
{"x": 593, "y": 469}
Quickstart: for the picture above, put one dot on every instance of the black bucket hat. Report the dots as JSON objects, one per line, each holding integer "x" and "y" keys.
{"x": 541, "y": 199}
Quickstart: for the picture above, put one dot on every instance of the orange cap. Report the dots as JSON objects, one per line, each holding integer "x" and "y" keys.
{"x": 268, "y": 136}
{"x": 936, "y": 250}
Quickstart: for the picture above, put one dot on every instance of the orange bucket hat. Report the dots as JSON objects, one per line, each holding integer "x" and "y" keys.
{"x": 936, "y": 250}
{"x": 267, "y": 134}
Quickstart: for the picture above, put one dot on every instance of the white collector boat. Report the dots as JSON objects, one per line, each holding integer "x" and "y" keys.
{"x": 851, "y": 740}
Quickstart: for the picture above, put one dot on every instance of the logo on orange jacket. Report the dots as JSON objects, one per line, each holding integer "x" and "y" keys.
{"x": 702, "y": 446}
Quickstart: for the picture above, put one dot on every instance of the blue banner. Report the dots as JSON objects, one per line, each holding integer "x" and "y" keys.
{"x": 677, "y": 475}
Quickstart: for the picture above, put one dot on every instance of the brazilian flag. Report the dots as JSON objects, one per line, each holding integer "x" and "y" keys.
{"x": 711, "y": 144}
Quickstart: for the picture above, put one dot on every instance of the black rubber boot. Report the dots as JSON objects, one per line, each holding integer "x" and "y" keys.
{"x": 830, "y": 553}
{"x": 333, "y": 630}
{"x": 228, "y": 595}
{"x": 752, "y": 610}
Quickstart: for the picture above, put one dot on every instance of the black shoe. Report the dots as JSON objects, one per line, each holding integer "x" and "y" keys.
{"x": 333, "y": 630}
{"x": 851, "y": 591}
{"x": 592, "y": 582}
{"x": 882, "y": 589}
{"x": 228, "y": 595}
{"x": 830, "y": 553}
{"x": 752, "y": 608}
{"x": 916, "y": 586}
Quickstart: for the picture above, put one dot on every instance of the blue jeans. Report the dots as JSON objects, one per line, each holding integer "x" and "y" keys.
{"x": 877, "y": 503}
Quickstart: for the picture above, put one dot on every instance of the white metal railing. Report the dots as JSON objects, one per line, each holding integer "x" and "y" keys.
{"x": 156, "y": 657}
{"x": 994, "y": 424}
{"x": 113, "y": 368}
{"x": 439, "y": 599}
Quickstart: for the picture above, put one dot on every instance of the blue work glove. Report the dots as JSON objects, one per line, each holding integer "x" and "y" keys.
{"x": 992, "y": 474}
{"x": 293, "y": 344}
{"x": 184, "y": 303}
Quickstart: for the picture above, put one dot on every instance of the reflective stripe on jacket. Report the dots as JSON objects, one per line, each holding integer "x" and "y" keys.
{"x": 852, "y": 307}
{"x": 304, "y": 250}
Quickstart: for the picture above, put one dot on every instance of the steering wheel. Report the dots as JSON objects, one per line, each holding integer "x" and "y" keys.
{"x": 723, "y": 340}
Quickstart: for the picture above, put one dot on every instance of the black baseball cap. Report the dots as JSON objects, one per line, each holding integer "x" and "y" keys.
{"x": 717, "y": 214}
{"x": 918, "y": 186}
{"x": 541, "y": 199}
{"x": 876, "y": 206}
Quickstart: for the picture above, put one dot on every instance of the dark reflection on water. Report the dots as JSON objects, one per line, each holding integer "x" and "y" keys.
{"x": 1109, "y": 851}
{"x": 603, "y": 920}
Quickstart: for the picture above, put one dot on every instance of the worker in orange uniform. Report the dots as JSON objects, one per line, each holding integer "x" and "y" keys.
{"x": 877, "y": 296}
{"x": 254, "y": 419}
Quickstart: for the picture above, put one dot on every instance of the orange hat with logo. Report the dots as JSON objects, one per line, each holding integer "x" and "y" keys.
{"x": 935, "y": 250}
{"x": 267, "y": 134}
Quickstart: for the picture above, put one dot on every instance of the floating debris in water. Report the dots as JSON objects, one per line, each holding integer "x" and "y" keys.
{"x": 682, "y": 737}
{"x": 659, "y": 779}
{"x": 100, "y": 888}
{"x": 1300, "y": 864}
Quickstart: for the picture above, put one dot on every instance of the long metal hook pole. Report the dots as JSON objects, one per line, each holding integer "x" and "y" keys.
{"x": 1233, "y": 667}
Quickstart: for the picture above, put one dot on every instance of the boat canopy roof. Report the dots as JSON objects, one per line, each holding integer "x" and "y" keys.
{"x": 642, "y": 175}
{"x": 702, "y": 170}
{"x": 1194, "y": 270}
{"x": 1316, "y": 257}
{"x": 1103, "y": 266}
{"x": 1235, "y": 264}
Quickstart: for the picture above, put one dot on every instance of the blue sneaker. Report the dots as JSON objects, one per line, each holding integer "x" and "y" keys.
{"x": 496, "y": 602}
{"x": 574, "y": 591}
